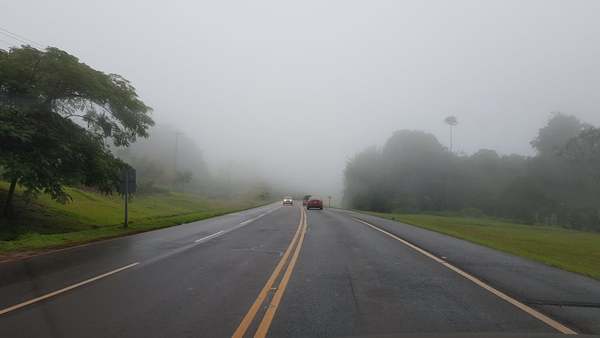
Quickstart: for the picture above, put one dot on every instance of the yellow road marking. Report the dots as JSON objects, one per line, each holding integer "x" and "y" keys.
{"x": 547, "y": 320}
{"x": 63, "y": 290}
{"x": 249, "y": 317}
{"x": 263, "y": 328}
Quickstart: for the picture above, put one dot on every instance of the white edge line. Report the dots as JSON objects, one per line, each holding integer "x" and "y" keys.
{"x": 93, "y": 279}
{"x": 63, "y": 290}
{"x": 209, "y": 236}
{"x": 547, "y": 320}
{"x": 241, "y": 224}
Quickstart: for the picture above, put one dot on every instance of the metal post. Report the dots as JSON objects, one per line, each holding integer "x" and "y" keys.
{"x": 176, "y": 146}
{"x": 451, "y": 139}
{"x": 175, "y": 159}
{"x": 126, "y": 197}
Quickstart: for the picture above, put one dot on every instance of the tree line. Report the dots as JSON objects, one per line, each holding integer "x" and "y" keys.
{"x": 414, "y": 173}
{"x": 167, "y": 161}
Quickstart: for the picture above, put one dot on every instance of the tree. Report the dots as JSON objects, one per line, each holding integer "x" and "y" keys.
{"x": 418, "y": 167}
{"x": 153, "y": 160}
{"x": 452, "y": 121}
{"x": 55, "y": 115}
{"x": 584, "y": 150}
{"x": 556, "y": 133}
{"x": 182, "y": 178}
{"x": 362, "y": 181}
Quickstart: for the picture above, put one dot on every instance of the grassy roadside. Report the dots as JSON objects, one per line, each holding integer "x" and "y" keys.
{"x": 576, "y": 251}
{"x": 45, "y": 224}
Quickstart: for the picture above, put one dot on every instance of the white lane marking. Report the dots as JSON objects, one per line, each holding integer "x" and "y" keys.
{"x": 253, "y": 219}
{"x": 209, "y": 237}
{"x": 547, "y": 320}
{"x": 63, "y": 290}
{"x": 222, "y": 232}
{"x": 93, "y": 279}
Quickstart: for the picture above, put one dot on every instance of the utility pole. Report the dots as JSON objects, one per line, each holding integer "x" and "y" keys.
{"x": 452, "y": 121}
{"x": 175, "y": 158}
{"x": 451, "y": 138}
{"x": 229, "y": 190}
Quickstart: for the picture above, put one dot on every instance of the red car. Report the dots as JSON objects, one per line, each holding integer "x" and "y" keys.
{"x": 314, "y": 203}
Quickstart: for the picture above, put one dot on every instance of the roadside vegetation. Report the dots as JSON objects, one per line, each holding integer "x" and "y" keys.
{"x": 414, "y": 173}
{"x": 45, "y": 223}
{"x": 549, "y": 202}
{"x": 572, "y": 250}
{"x": 68, "y": 132}
{"x": 57, "y": 117}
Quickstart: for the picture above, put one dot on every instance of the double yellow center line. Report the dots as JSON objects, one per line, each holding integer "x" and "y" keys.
{"x": 265, "y": 323}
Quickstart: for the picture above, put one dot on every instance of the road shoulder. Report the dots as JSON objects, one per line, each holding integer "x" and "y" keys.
{"x": 571, "y": 298}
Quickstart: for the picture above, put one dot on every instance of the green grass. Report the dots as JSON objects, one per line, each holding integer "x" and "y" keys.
{"x": 576, "y": 251}
{"x": 45, "y": 224}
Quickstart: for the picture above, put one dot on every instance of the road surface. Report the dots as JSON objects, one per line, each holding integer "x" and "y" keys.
{"x": 284, "y": 272}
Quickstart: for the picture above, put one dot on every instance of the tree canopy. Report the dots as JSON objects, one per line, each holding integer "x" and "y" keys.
{"x": 56, "y": 114}
{"x": 451, "y": 120}
{"x": 414, "y": 173}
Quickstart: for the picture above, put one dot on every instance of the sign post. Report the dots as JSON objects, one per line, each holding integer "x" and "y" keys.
{"x": 126, "y": 222}
{"x": 128, "y": 186}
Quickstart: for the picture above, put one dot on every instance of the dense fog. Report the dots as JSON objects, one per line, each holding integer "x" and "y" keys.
{"x": 285, "y": 94}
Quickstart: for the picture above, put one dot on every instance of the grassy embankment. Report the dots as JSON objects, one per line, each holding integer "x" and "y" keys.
{"x": 576, "y": 251}
{"x": 45, "y": 224}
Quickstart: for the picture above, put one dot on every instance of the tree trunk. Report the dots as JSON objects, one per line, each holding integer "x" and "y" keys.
{"x": 8, "y": 205}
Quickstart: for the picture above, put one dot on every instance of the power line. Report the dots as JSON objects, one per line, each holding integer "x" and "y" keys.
{"x": 13, "y": 38}
{"x": 6, "y": 42}
{"x": 19, "y": 38}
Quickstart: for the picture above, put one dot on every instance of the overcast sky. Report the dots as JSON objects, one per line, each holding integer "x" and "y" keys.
{"x": 296, "y": 88}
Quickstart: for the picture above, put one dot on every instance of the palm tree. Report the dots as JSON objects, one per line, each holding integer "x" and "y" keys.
{"x": 452, "y": 121}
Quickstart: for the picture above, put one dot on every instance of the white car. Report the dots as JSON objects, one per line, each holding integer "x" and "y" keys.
{"x": 288, "y": 201}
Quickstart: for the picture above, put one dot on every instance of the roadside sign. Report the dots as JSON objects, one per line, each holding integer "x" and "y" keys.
{"x": 128, "y": 181}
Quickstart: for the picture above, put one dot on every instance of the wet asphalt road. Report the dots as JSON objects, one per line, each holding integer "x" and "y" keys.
{"x": 347, "y": 279}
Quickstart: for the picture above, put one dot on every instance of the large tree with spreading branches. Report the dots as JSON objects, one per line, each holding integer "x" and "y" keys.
{"x": 57, "y": 116}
